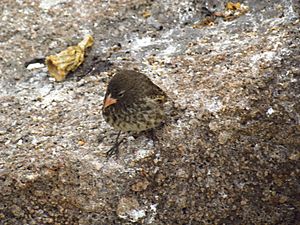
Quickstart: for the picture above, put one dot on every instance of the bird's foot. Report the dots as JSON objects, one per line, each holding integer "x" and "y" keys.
{"x": 152, "y": 135}
{"x": 114, "y": 150}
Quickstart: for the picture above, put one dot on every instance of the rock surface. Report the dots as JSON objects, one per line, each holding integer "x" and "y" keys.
{"x": 229, "y": 156}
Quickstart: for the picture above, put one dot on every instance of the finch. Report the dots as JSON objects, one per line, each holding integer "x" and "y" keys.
{"x": 132, "y": 103}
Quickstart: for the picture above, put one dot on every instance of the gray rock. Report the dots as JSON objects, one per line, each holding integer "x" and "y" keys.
{"x": 229, "y": 154}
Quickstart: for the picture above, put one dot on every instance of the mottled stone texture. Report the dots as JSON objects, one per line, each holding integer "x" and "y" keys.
{"x": 228, "y": 154}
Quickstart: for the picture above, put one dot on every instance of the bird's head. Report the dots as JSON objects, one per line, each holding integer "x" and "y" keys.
{"x": 119, "y": 91}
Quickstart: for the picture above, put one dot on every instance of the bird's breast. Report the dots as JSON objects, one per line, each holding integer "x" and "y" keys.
{"x": 136, "y": 117}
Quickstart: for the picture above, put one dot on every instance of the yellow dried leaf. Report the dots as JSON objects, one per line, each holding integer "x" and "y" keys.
{"x": 233, "y": 6}
{"x": 61, "y": 64}
{"x": 81, "y": 142}
{"x": 146, "y": 14}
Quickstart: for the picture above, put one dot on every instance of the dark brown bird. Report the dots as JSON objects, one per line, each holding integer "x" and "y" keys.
{"x": 132, "y": 103}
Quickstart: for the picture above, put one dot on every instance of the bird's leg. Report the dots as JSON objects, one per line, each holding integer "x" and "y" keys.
{"x": 115, "y": 148}
{"x": 152, "y": 135}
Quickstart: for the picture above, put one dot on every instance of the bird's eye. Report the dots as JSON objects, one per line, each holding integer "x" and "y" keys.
{"x": 121, "y": 94}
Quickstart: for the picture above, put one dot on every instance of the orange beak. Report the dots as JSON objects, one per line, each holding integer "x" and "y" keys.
{"x": 109, "y": 101}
